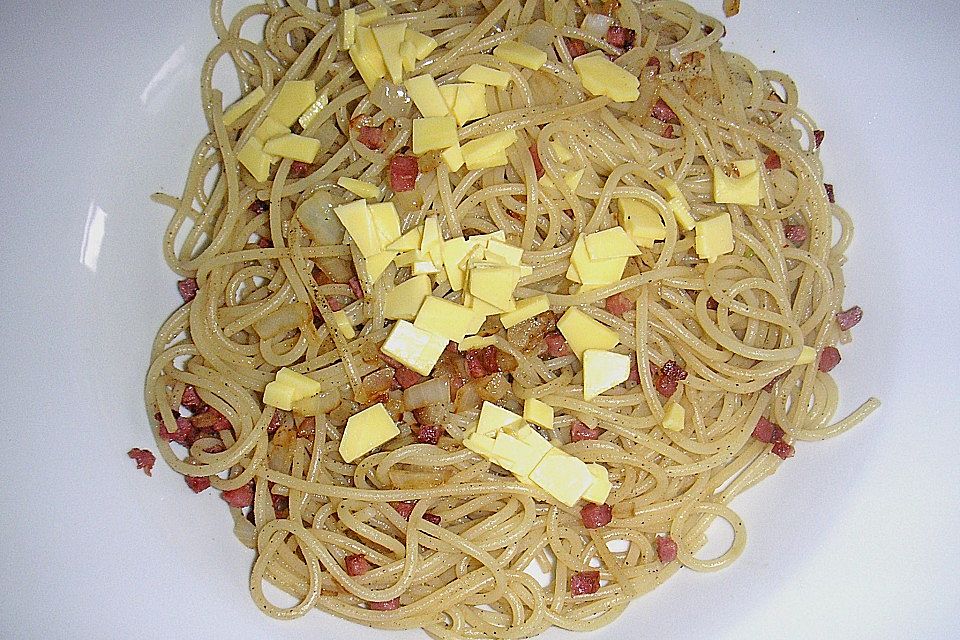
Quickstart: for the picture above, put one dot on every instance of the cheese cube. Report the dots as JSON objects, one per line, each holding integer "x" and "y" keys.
{"x": 355, "y": 217}
{"x": 279, "y": 395}
{"x": 610, "y": 243}
{"x": 601, "y": 77}
{"x": 583, "y": 332}
{"x": 744, "y": 190}
{"x": 521, "y": 454}
{"x": 433, "y": 134}
{"x": 482, "y": 445}
{"x": 414, "y": 348}
{"x": 807, "y": 355}
{"x": 252, "y": 156}
{"x": 313, "y": 111}
{"x": 365, "y": 431}
{"x": 453, "y": 157}
{"x": 348, "y": 29}
{"x": 302, "y": 386}
{"x": 714, "y": 237}
{"x": 470, "y": 103}
{"x": 378, "y": 263}
{"x": 423, "y": 44}
{"x": 386, "y": 221}
{"x": 641, "y": 222}
{"x": 521, "y": 54}
{"x": 594, "y": 272}
{"x": 485, "y": 75}
{"x": 293, "y": 146}
{"x": 563, "y": 476}
{"x": 409, "y": 241}
{"x": 538, "y": 412}
{"x": 403, "y": 302}
{"x": 493, "y": 418}
{"x": 389, "y": 38}
{"x": 425, "y": 94}
{"x": 673, "y": 416}
{"x": 449, "y": 94}
{"x": 603, "y": 370}
{"x": 572, "y": 179}
{"x": 373, "y": 15}
{"x": 475, "y": 342}
{"x": 270, "y": 128}
{"x": 746, "y": 167}
{"x": 343, "y": 324}
{"x": 531, "y": 439}
{"x": 366, "y": 56}
{"x": 423, "y": 266}
{"x": 681, "y": 211}
{"x": 445, "y": 318}
{"x": 408, "y": 56}
{"x": 563, "y": 153}
{"x": 407, "y": 258}
{"x": 483, "y": 308}
{"x": 294, "y": 98}
{"x": 453, "y": 252}
{"x": 503, "y": 253}
{"x": 599, "y": 491}
{"x": 480, "y": 153}
{"x": 239, "y": 108}
{"x": 360, "y": 188}
{"x": 495, "y": 284}
{"x": 525, "y": 310}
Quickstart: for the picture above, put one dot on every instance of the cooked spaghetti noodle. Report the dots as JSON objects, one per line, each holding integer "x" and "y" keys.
{"x": 480, "y": 554}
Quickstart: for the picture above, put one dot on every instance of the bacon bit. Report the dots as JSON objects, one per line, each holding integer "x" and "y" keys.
{"x": 240, "y": 497}
{"x": 307, "y": 427}
{"x": 579, "y": 431}
{"x": 782, "y": 450}
{"x": 197, "y": 484}
{"x": 662, "y": 112}
{"x": 829, "y": 189}
{"x": 259, "y": 206}
{"x": 300, "y": 169}
{"x": 618, "y": 304}
{"x": 772, "y": 162}
{"x": 188, "y": 289}
{"x": 537, "y": 165}
{"x": 265, "y": 243}
{"x": 818, "y": 138}
{"x": 356, "y": 564}
{"x": 356, "y": 288}
{"x": 389, "y": 605}
{"x": 482, "y": 362}
{"x": 191, "y": 400}
{"x": 371, "y": 138}
{"x": 334, "y": 303}
{"x": 712, "y": 304}
{"x": 768, "y": 432}
{"x": 654, "y": 62}
{"x": 145, "y": 459}
{"x": 211, "y": 419}
{"x": 668, "y": 377}
{"x": 557, "y": 346}
{"x": 275, "y": 420}
{"x": 488, "y": 356}
{"x": 403, "y": 173}
{"x": 668, "y": 131}
{"x": 474, "y": 365}
{"x": 829, "y": 358}
{"x": 432, "y": 518}
{"x": 406, "y": 378}
{"x": 281, "y": 505}
{"x": 185, "y": 433}
{"x": 634, "y": 375}
{"x": 848, "y": 319}
{"x": 576, "y": 48}
{"x": 428, "y": 433}
{"x": 795, "y": 233}
{"x": 404, "y": 508}
{"x": 584, "y": 582}
{"x": 595, "y": 516}
{"x": 620, "y": 37}
{"x": 666, "y": 549}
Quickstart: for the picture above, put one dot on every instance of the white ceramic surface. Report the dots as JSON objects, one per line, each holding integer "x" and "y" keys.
{"x": 854, "y": 538}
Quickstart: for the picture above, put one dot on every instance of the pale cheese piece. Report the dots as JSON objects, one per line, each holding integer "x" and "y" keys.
{"x": 572, "y": 179}
{"x": 414, "y": 348}
{"x": 366, "y": 56}
{"x": 313, "y": 111}
{"x": 594, "y": 272}
{"x": 503, "y": 253}
{"x": 423, "y": 266}
{"x": 483, "y": 308}
{"x": 410, "y": 241}
{"x": 481, "y": 444}
{"x": 563, "y": 153}
{"x": 495, "y": 284}
{"x": 453, "y": 252}
{"x": 355, "y": 217}
{"x": 583, "y": 332}
{"x": 426, "y": 95}
{"x": 293, "y": 146}
{"x": 521, "y": 452}
{"x": 403, "y": 302}
{"x": 610, "y": 243}
{"x": 714, "y": 237}
{"x": 599, "y": 491}
{"x": 488, "y": 151}
{"x": 343, "y": 324}
{"x": 538, "y": 412}
{"x": 239, "y": 108}
{"x": 373, "y": 15}
{"x": 603, "y": 370}
{"x": 378, "y": 263}
{"x": 256, "y": 161}
{"x": 807, "y": 355}
{"x": 279, "y": 395}
{"x": 303, "y": 386}
{"x": 563, "y": 476}
{"x": 434, "y": 134}
{"x": 525, "y": 310}
{"x": 493, "y": 418}
{"x": 387, "y": 222}
{"x": 423, "y": 44}
{"x": 476, "y": 342}
{"x": 449, "y": 94}
{"x": 453, "y": 157}
{"x": 359, "y": 187}
{"x": 389, "y": 38}
{"x": 270, "y": 128}
{"x": 485, "y": 75}
{"x": 470, "y": 103}
{"x": 348, "y": 29}
{"x": 681, "y": 211}
{"x": 673, "y": 416}
{"x": 445, "y": 318}
{"x": 365, "y": 431}
{"x": 522, "y": 54}
{"x": 744, "y": 190}
{"x": 408, "y": 56}
{"x": 601, "y": 77}
{"x": 294, "y": 98}
{"x": 641, "y": 222}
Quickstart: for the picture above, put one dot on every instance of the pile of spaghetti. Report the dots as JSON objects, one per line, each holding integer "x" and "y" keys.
{"x": 422, "y": 531}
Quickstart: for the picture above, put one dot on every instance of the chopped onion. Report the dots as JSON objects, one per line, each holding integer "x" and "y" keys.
{"x": 392, "y": 99}
{"x": 286, "y": 318}
{"x": 433, "y": 391}
{"x": 339, "y": 271}
{"x": 596, "y": 24}
{"x": 432, "y": 415}
{"x": 402, "y": 479}
{"x": 541, "y": 35}
{"x": 496, "y": 388}
{"x": 376, "y": 383}
{"x": 318, "y": 219}
{"x": 468, "y": 398}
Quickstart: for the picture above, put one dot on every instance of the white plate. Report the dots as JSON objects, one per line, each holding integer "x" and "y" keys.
{"x": 854, "y": 538}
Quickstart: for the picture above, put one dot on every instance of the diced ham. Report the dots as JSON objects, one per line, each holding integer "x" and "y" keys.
{"x": 666, "y": 549}
{"x": 579, "y": 431}
{"x": 666, "y": 379}
{"x": 818, "y": 137}
{"x": 576, "y": 48}
{"x": 145, "y": 459}
{"x": 618, "y": 304}
{"x": 429, "y": 433}
{"x": 406, "y": 378}
{"x": 634, "y": 376}
{"x": 389, "y": 605}
{"x": 300, "y": 169}
{"x": 265, "y": 243}
{"x": 537, "y": 164}
{"x": 356, "y": 288}
{"x": 240, "y": 497}
{"x": 595, "y": 516}
{"x": 404, "y": 508}
{"x": 620, "y": 37}
{"x": 259, "y": 206}
{"x": 356, "y": 564}
{"x": 281, "y": 505}
{"x": 488, "y": 356}
{"x": 403, "y": 172}
{"x": 371, "y": 137}
{"x": 210, "y": 420}
{"x": 334, "y": 303}
{"x": 307, "y": 427}
{"x": 768, "y": 432}
{"x": 483, "y": 362}
{"x": 185, "y": 434}
{"x": 432, "y": 518}
{"x": 191, "y": 400}
{"x": 557, "y": 346}
{"x": 662, "y": 112}
{"x": 275, "y": 420}
{"x": 188, "y": 289}
{"x": 712, "y": 304}
{"x": 197, "y": 483}
{"x": 584, "y": 582}
{"x": 848, "y": 319}
{"x": 795, "y": 233}
{"x": 772, "y": 161}
{"x": 782, "y": 450}
{"x": 829, "y": 358}
{"x": 474, "y": 365}
{"x": 668, "y": 131}
{"x": 829, "y": 189}
{"x": 654, "y": 62}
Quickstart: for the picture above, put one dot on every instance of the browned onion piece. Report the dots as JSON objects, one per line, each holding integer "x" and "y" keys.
{"x": 432, "y": 415}
{"x": 433, "y": 391}
{"x": 376, "y": 383}
{"x": 286, "y": 318}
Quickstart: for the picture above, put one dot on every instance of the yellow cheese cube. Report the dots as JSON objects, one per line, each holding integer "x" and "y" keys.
{"x": 343, "y": 324}
{"x": 610, "y": 243}
{"x": 378, "y": 263}
{"x": 239, "y": 108}
{"x": 423, "y": 266}
{"x": 425, "y": 94}
{"x": 389, "y": 38}
{"x": 497, "y": 159}
{"x": 270, "y": 128}
{"x": 563, "y": 476}
{"x": 599, "y": 491}
{"x": 807, "y": 355}
{"x": 525, "y": 310}
{"x": 538, "y": 412}
{"x": 365, "y": 431}
{"x": 414, "y": 348}
{"x": 386, "y": 221}
{"x": 255, "y": 160}
{"x": 480, "y": 153}
{"x": 355, "y": 217}
{"x": 453, "y": 157}
{"x": 410, "y": 241}
{"x": 583, "y": 332}
{"x": 453, "y": 252}
{"x": 673, "y": 416}
{"x": 408, "y": 56}
{"x": 403, "y": 302}
{"x": 433, "y": 134}
{"x": 601, "y": 77}
{"x": 714, "y": 237}
{"x": 641, "y": 222}
{"x": 302, "y": 386}
{"x": 493, "y": 418}
{"x": 603, "y": 370}
{"x": 495, "y": 284}
{"x": 594, "y": 272}
{"x": 470, "y": 103}
{"x": 293, "y": 146}
{"x": 294, "y": 98}
{"x": 423, "y": 44}
{"x": 520, "y": 455}
{"x": 483, "y": 308}
{"x": 521, "y": 54}
{"x": 445, "y": 318}
{"x": 572, "y": 179}
{"x": 503, "y": 253}
{"x": 476, "y": 342}
{"x": 746, "y": 167}
{"x": 531, "y": 439}
{"x": 360, "y": 188}
{"x": 365, "y": 54}
{"x": 681, "y": 211}
{"x": 373, "y": 15}
{"x": 744, "y": 190}
{"x": 563, "y": 154}
{"x": 407, "y": 258}
{"x": 313, "y": 111}
{"x": 482, "y": 445}
{"x": 279, "y": 395}
{"x": 485, "y": 75}
{"x": 449, "y": 94}
{"x": 348, "y": 29}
